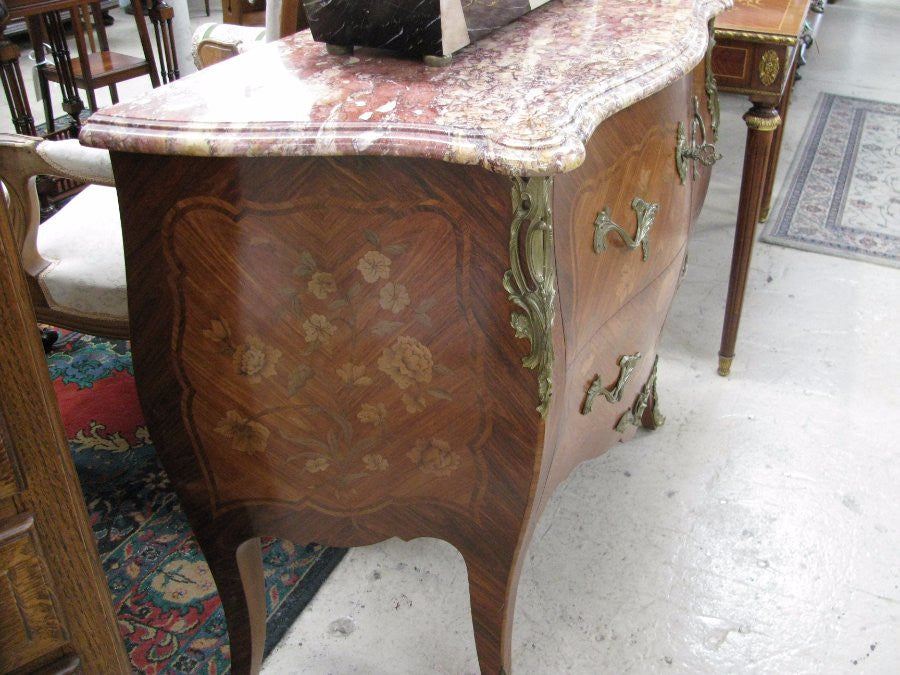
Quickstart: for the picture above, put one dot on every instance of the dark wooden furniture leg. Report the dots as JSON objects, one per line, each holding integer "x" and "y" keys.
{"x": 775, "y": 149}
{"x": 161, "y": 16}
{"x": 54, "y": 29}
{"x": 235, "y": 560}
{"x": 762, "y": 120}
{"x": 13, "y": 85}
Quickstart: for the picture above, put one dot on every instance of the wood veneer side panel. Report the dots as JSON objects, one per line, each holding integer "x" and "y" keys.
{"x": 50, "y": 486}
{"x": 477, "y": 201}
{"x": 216, "y": 245}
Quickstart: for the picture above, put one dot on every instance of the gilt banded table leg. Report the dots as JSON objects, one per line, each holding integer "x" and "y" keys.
{"x": 775, "y": 148}
{"x": 762, "y": 120}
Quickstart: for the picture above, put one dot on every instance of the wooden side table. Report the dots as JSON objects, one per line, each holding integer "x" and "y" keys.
{"x": 758, "y": 47}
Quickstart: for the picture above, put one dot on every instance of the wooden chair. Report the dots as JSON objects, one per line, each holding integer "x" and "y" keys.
{"x": 214, "y": 42}
{"x": 243, "y": 12}
{"x": 96, "y": 67}
{"x": 73, "y": 261}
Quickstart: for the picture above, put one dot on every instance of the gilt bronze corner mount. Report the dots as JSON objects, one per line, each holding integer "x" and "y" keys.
{"x": 531, "y": 283}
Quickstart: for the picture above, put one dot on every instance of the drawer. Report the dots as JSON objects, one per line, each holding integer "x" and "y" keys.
{"x": 627, "y": 183}
{"x": 620, "y": 361}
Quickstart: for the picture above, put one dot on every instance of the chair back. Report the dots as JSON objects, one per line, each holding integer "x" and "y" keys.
{"x": 214, "y": 42}
{"x": 22, "y": 160}
{"x": 73, "y": 262}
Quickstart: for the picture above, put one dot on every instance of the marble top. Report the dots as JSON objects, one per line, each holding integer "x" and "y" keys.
{"x": 523, "y": 101}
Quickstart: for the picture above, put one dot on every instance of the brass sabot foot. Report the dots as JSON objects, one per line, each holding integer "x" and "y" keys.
{"x": 725, "y": 365}
{"x": 764, "y": 216}
{"x": 339, "y": 50}
{"x": 437, "y": 61}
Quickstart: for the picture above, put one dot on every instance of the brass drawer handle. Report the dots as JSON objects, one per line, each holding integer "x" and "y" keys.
{"x": 646, "y": 213}
{"x": 627, "y": 364}
{"x": 703, "y": 152}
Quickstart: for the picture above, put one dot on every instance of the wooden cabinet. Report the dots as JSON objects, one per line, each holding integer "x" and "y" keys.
{"x": 55, "y": 609}
{"x": 370, "y": 299}
{"x": 328, "y": 322}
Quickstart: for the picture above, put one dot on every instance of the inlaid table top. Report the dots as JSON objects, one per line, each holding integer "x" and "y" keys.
{"x": 764, "y": 20}
{"x": 522, "y": 101}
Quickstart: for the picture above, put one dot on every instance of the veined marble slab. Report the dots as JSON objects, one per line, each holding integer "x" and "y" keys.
{"x": 420, "y": 27}
{"x": 522, "y": 101}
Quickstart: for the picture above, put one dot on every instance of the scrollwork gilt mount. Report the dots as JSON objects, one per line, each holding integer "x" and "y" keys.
{"x": 703, "y": 152}
{"x": 646, "y": 214}
{"x": 627, "y": 364}
{"x": 647, "y": 397}
{"x": 712, "y": 89}
{"x": 532, "y": 285}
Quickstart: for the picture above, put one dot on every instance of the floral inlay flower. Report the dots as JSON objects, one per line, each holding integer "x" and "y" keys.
{"x": 350, "y": 373}
{"x": 246, "y": 435}
{"x": 218, "y": 331}
{"x": 414, "y": 402}
{"x": 322, "y": 285}
{"x": 393, "y": 297}
{"x": 375, "y": 462}
{"x": 374, "y": 266}
{"x": 372, "y": 413}
{"x": 318, "y": 328}
{"x": 317, "y": 464}
{"x": 406, "y": 361}
{"x": 255, "y": 359}
{"x": 434, "y": 456}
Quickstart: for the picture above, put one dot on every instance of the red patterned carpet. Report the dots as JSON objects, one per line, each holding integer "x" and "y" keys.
{"x": 168, "y": 609}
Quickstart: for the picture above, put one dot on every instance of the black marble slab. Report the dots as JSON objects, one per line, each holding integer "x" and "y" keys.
{"x": 416, "y": 27}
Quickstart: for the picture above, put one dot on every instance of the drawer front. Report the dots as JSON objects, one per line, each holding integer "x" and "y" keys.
{"x": 601, "y": 401}
{"x": 752, "y": 67}
{"x": 30, "y": 625}
{"x": 623, "y": 216}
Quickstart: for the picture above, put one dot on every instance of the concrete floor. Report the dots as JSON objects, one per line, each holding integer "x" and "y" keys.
{"x": 758, "y": 531}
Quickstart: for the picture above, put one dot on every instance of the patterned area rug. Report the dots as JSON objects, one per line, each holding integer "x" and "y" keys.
{"x": 169, "y": 612}
{"x": 843, "y": 193}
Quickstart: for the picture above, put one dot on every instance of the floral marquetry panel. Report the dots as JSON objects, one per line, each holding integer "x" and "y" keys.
{"x": 327, "y": 356}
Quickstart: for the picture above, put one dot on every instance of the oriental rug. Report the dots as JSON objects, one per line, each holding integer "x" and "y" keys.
{"x": 169, "y": 612}
{"x": 842, "y": 196}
